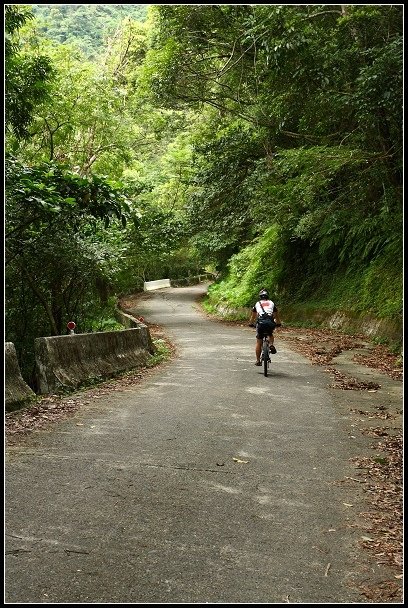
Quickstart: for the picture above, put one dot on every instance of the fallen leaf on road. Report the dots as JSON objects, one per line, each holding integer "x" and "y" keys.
{"x": 238, "y": 460}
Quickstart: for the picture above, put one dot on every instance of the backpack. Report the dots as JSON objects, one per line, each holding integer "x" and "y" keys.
{"x": 265, "y": 316}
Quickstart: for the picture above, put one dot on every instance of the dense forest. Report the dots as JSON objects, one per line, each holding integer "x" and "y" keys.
{"x": 89, "y": 26}
{"x": 263, "y": 143}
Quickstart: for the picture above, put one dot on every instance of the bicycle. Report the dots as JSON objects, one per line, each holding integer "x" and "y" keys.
{"x": 265, "y": 352}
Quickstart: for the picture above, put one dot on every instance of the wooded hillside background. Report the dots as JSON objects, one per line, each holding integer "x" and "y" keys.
{"x": 262, "y": 142}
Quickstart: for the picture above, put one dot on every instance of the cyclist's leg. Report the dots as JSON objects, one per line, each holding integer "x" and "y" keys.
{"x": 271, "y": 341}
{"x": 268, "y": 333}
{"x": 258, "y": 347}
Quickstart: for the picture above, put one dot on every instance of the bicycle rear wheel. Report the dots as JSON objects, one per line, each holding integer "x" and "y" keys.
{"x": 265, "y": 357}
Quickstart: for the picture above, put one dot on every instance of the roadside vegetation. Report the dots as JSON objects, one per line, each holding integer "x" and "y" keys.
{"x": 262, "y": 143}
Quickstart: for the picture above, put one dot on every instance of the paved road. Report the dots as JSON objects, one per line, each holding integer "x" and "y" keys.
{"x": 207, "y": 483}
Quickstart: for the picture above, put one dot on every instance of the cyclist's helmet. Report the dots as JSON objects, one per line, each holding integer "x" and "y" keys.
{"x": 263, "y": 294}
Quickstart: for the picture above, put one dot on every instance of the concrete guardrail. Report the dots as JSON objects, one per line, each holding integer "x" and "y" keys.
{"x": 69, "y": 361}
{"x": 149, "y": 285}
{"x": 17, "y": 391}
{"x": 184, "y": 282}
{"x": 129, "y": 322}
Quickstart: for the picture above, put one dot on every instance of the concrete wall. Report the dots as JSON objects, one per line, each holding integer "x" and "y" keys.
{"x": 347, "y": 322}
{"x": 129, "y": 322}
{"x": 352, "y": 323}
{"x": 17, "y": 392}
{"x": 148, "y": 285}
{"x": 69, "y": 361}
{"x": 191, "y": 280}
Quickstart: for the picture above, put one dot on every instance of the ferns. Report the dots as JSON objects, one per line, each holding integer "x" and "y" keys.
{"x": 335, "y": 235}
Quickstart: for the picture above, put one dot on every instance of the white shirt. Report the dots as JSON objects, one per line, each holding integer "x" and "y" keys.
{"x": 267, "y": 305}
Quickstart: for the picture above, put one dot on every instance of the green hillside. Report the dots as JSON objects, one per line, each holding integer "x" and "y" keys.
{"x": 88, "y": 25}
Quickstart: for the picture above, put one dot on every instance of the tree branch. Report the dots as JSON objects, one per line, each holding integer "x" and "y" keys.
{"x": 40, "y": 298}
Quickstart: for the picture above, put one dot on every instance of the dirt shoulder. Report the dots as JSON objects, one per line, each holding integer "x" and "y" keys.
{"x": 365, "y": 381}
{"x": 372, "y": 377}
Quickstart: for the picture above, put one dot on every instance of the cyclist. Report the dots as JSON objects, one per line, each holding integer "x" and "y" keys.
{"x": 266, "y": 315}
